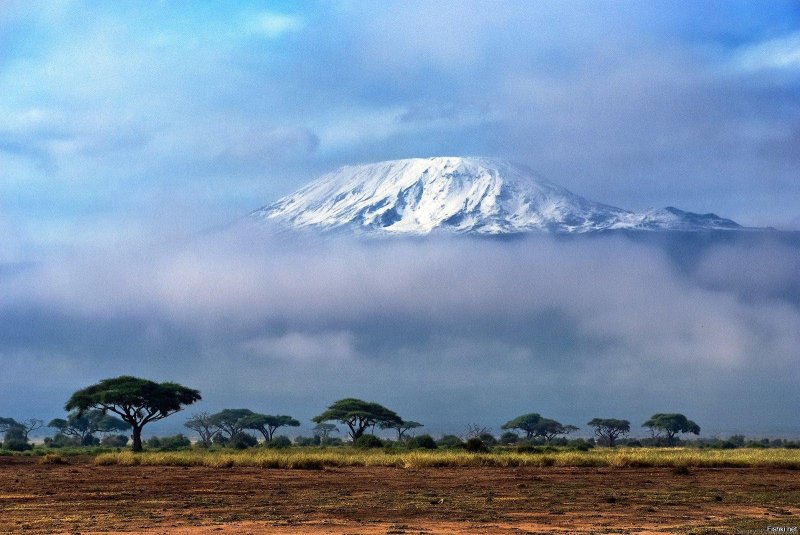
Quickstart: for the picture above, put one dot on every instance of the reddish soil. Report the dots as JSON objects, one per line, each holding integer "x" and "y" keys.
{"x": 79, "y": 497}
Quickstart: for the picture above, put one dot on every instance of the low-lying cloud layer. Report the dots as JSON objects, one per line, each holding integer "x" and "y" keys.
{"x": 446, "y": 331}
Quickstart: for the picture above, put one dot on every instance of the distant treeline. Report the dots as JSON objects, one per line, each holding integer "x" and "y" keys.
{"x": 104, "y": 414}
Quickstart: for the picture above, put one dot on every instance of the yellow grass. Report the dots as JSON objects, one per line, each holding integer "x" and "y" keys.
{"x": 311, "y": 458}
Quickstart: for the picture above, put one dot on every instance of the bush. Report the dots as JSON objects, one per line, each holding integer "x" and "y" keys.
{"x": 60, "y": 440}
{"x": 450, "y": 441}
{"x": 279, "y": 442}
{"x": 114, "y": 441}
{"x": 307, "y": 441}
{"x": 422, "y": 442}
{"x": 168, "y": 443}
{"x": 15, "y": 440}
{"x": 488, "y": 439}
{"x": 368, "y": 441}
{"x": 241, "y": 441}
{"x": 475, "y": 445}
{"x": 509, "y": 438}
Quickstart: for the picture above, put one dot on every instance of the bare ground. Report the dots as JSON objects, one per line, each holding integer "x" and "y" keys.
{"x": 79, "y": 497}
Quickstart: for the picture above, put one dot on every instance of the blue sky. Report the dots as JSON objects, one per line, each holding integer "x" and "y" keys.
{"x": 115, "y": 118}
{"x": 128, "y": 128}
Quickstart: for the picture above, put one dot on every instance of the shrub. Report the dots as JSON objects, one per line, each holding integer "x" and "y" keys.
{"x": 115, "y": 441}
{"x": 279, "y": 442}
{"x": 450, "y": 441}
{"x": 60, "y": 440}
{"x": 15, "y": 440}
{"x": 488, "y": 439}
{"x": 307, "y": 441}
{"x": 422, "y": 442}
{"x": 475, "y": 445}
{"x": 241, "y": 441}
{"x": 368, "y": 441}
{"x": 171, "y": 443}
{"x": 509, "y": 438}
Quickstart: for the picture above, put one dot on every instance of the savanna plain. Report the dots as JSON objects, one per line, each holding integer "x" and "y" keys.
{"x": 347, "y": 491}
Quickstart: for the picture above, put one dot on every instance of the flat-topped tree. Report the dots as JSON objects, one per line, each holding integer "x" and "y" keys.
{"x": 609, "y": 429}
{"x": 230, "y": 421}
{"x": 527, "y": 423}
{"x": 400, "y": 427}
{"x": 358, "y": 415}
{"x": 550, "y": 429}
{"x": 203, "y": 425}
{"x": 136, "y": 401}
{"x": 267, "y": 424}
{"x": 671, "y": 424}
{"x": 84, "y": 426}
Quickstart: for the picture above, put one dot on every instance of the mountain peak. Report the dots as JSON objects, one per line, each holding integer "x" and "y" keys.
{"x": 460, "y": 195}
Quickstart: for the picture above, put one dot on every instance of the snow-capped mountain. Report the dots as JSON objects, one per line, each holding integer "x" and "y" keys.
{"x": 460, "y": 195}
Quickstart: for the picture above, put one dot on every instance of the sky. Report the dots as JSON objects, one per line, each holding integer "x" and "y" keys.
{"x": 128, "y": 130}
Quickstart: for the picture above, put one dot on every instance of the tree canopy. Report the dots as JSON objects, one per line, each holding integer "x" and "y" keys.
{"x": 83, "y": 426}
{"x": 267, "y": 424}
{"x": 230, "y": 421}
{"x": 534, "y": 425}
{"x": 609, "y": 429}
{"x": 203, "y": 425}
{"x": 401, "y": 427}
{"x": 136, "y": 401}
{"x": 671, "y": 424}
{"x": 358, "y": 415}
{"x": 527, "y": 423}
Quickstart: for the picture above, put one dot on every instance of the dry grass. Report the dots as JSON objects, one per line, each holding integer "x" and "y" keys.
{"x": 315, "y": 459}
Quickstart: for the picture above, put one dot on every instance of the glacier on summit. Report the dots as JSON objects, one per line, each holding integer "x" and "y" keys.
{"x": 460, "y": 195}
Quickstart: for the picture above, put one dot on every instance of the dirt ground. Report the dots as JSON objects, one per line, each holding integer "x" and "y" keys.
{"x": 79, "y": 497}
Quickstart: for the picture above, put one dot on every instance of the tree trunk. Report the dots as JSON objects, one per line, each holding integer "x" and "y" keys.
{"x": 137, "y": 438}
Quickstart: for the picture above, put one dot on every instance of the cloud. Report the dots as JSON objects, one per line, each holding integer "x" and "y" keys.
{"x": 276, "y": 25}
{"x": 443, "y": 328}
{"x": 781, "y": 53}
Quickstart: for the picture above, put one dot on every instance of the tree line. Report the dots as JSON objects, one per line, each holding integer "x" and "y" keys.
{"x": 127, "y": 404}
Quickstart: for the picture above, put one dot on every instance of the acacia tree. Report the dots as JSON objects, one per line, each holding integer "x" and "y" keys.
{"x": 8, "y": 423}
{"x": 267, "y": 424}
{"x": 671, "y": 424}
{"x": 323, "y": 431}
{"x": 136, "y": 401}
{"x": 609, "y": 429}
{"x": 230, "y": 421}
{"x": 84, "y": 426}
{"x": 202, "y": 424}
{"x": 358, "y": 415}
{"x": 527, "y": 423}
{"x": 550, "y": 429}
{"x": 401, "y": 427}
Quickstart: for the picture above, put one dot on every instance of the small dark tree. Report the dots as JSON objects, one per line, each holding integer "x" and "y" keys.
{"x": 358, "y": 415}
{"x": 550, "y": 429}
{"x": 8, "y": 423}
{"x": 30, "y": 425}
{"x": 401, "y": 427}
{"x": 16, "y": 439}
{"x": 202, "y": 424}
{"x": 267, "y": 424}
{"x": 527, "y": 423}
{"x": 136, "y": 401}
{"x": 323, "y": 431}
{"x": 671, "y": 424}
{"x": 230, "y": 421}
{"x": 83, "y": 426}
{"x": 609, "y": 429}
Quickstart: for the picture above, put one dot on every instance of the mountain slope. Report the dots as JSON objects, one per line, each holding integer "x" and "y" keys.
{"x": 461, "y": 195}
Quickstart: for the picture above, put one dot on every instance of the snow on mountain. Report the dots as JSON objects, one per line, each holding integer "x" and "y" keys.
{"x": 460, "y": 195}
